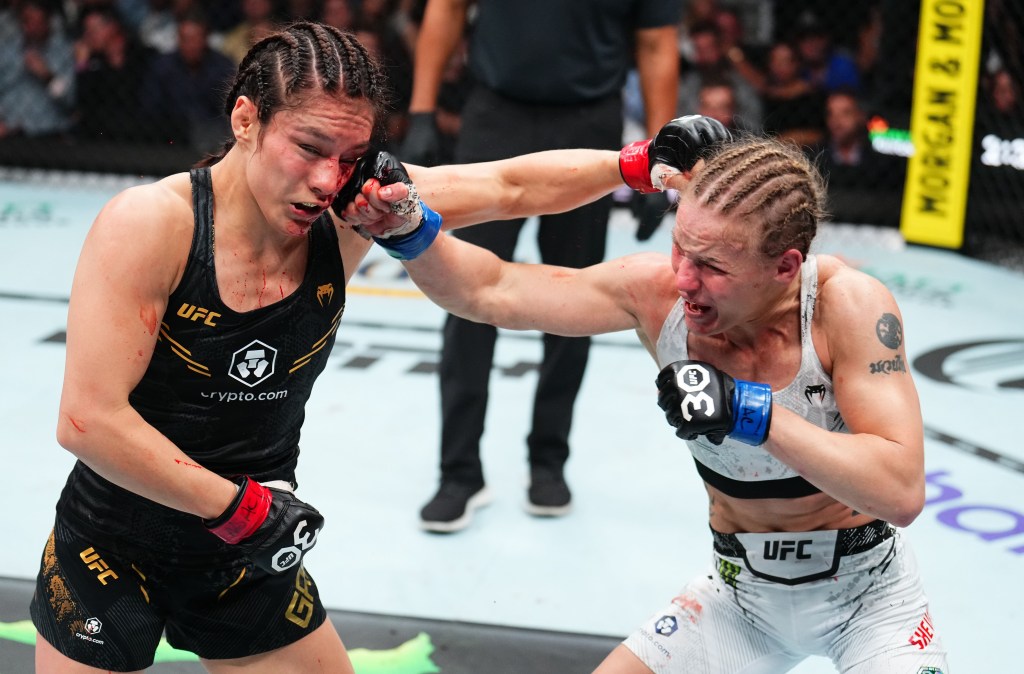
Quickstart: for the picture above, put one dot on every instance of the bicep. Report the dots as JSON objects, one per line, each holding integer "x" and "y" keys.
{"x": 118, "y": 299}
{"x": 873, "y": 385}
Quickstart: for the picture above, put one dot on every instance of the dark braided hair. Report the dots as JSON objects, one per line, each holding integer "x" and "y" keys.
{"x": 769, "y": 181}
{"x": 303, "y": 57}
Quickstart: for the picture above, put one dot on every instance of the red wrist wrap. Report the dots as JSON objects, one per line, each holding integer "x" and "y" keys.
{"x": 635, "y": 168}
{"x": 249, "y": 514}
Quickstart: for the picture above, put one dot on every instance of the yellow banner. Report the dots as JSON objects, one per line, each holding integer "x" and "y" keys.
{"x": 942, "y": 122}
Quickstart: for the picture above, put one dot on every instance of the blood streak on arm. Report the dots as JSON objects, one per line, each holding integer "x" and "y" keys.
{"x": 186, "y": 464}
{"x": 148, "y": 316}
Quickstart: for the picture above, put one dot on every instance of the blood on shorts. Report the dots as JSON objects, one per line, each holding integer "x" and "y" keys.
{"x": 690, "y": 604}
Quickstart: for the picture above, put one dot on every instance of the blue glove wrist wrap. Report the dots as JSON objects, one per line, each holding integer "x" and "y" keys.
{"x": 410, "y": 246}
{"x": 751, "y": 412}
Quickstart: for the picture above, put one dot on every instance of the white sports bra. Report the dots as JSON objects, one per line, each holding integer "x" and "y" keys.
{"x": 745, "y": 471}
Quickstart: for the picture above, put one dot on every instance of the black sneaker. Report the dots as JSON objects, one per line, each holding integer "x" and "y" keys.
{"x": 548, "y": 496}
{"x": 452, "y": 507}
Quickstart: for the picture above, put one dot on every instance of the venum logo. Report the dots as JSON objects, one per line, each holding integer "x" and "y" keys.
{"x": 325, "y": 291}
{"x": 815, "y": 392}
{"x": 253, "y": 363}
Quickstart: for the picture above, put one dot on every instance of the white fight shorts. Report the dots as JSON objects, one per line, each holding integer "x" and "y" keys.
{"x": 771, "y": 600}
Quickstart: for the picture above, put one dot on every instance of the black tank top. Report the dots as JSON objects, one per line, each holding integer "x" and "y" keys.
{"x": 228, "y": 388}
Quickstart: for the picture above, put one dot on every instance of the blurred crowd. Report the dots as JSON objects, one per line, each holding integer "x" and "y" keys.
{"x": 811, "y": 71}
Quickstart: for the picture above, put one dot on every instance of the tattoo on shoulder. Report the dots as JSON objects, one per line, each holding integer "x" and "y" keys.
{"x": 889, "y": 331}
{"x": 890, "y": 366}
{"x": 890, "y": 334}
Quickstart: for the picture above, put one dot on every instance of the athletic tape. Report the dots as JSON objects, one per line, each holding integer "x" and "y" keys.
{"x": 410, "y": 246}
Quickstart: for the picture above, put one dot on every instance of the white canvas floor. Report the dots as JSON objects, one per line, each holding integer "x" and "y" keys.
{"x": 638, "y": 531}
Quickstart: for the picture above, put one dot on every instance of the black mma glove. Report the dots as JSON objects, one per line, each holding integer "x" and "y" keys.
{"x": 422, "y": 144}
{"x": 374, "y": 164}
{"x": 421, "y": 225}
{"x": 699, "y": 399}
{"x": 678, "y": 145}
{"x": 274, "y": 527}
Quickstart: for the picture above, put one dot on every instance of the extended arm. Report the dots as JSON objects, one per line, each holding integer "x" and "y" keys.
{"x": 475, "y": 284}
{"x": 532, "y": 184}
{"x": 545, "y": 182}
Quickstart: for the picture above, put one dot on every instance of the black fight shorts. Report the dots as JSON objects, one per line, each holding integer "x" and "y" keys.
{"x": 109, "y": 610}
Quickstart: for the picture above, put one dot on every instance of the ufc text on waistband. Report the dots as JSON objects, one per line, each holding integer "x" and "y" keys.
{"x": 792, "y": 558}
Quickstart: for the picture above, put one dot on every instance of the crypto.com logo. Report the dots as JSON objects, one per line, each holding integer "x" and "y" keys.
{"x": 993, "y": 364}
{"x": 253, "y": 363}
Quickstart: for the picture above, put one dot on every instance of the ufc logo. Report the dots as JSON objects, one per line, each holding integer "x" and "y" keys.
{"x": 94, "y": 562}
{"x": 195, "y": 313}
{"x": 285, "y": 558}
{"x": 781, "y": 549}
{"x": 694, "y": 379}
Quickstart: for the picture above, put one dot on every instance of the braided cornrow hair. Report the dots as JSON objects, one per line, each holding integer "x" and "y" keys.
{"x": 303, "y": 57}
{"x": 767, "y": 180}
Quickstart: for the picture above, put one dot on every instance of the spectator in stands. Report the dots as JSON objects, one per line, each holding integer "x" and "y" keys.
{"x": 159, "y": 26}
{"x": 110, "y": 65}
{"x": 337, "y": 13}
{"x": 1001, "y": 109}
{"x": 869, "y": 46}
{"x": 746, "y": 58}
{"x": 710, "y": 63}
{"x": 300, "y": 10}
{"x": 864, "y": 185}
{"x": 718, "y": 101}
{"x": 132, "y": 12}
{"x": 696, "y": 12}
{"x": 37, "y": 75}
{"x": 8, "y": 22}
{"x": 257, "y": 22}
{"x": 184, "y": 90}
{"x": 848, "y": 144}
{"x": 375, "y": 27}
{"x": 793, "y": 109}
{"x": 822, "y": 64}
{"x": 997, "y": 172}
